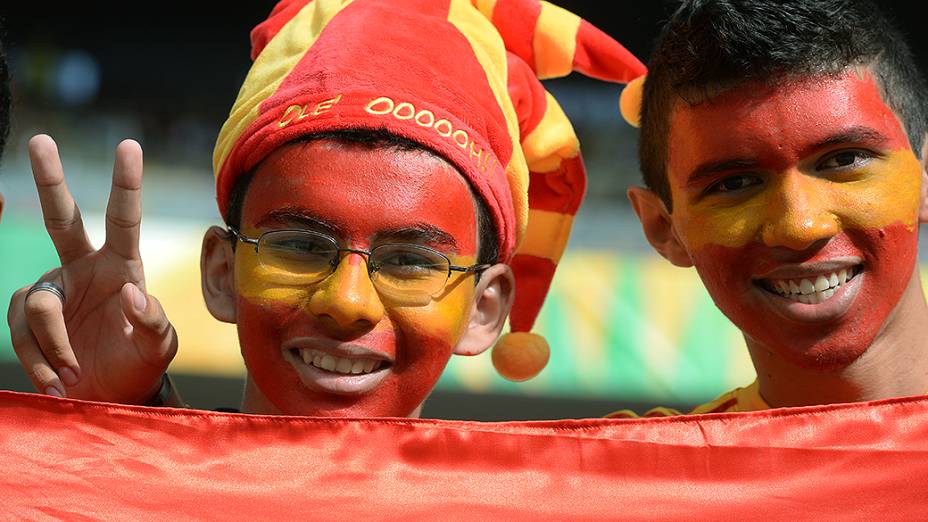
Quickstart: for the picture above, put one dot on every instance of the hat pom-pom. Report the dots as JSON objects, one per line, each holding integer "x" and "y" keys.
{"x": 630, "y": 101}
{"x": 519, "y": 356}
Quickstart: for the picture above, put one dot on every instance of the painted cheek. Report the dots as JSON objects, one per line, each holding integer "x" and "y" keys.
{"x": 799, "y": 209}
{"x": 889, "y": 254}
{"x": 890, "y": 194}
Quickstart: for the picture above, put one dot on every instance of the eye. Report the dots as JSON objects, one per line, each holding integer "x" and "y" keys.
{"x": 406, "y": 259}
{"x": 405, "y": 262}
{"x": 734, "y": 184}
{"x": 845, "y": 159}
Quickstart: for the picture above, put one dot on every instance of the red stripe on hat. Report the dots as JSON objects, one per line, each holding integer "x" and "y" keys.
{"x": 402, "y": 67}
{"x": 559, "y": 191}
{"x": 266, "y": 31}
{"x": 515, "y": 20}
{"x": 527, "y": 95}
{"x": 534, "y": 275}
{"x": 619, "y": 64}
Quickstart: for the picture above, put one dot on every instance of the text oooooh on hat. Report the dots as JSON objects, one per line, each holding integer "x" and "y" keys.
{"x": 460, "y": 77}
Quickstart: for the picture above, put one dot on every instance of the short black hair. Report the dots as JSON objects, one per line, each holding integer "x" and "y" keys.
{"x": 709, "y": 45}
{"x": 488, "y": 251}
{"x": 5, "y": 98}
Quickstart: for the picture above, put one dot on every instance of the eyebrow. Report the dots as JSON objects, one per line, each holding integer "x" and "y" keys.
{"x": 857, "y": 134}
{"x": 300, "y": 217}
{"x": 711, "y": 168}
{"x": 418, "y": 233}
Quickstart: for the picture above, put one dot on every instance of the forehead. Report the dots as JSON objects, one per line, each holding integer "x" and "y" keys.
{"x": 359, "y": 188}
{"x": 778, "y": 122}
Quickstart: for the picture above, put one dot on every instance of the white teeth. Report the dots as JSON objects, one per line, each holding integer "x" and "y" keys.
{"x": 338, "y": 364}
{"x": 806, "y": 287}
{"x": 344, "y": 365}
{"x": 821, "y": 284}
{"x": 808, "y": 292}
{"x": 328, "y": 363}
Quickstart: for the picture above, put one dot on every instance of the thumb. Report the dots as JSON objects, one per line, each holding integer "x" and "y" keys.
{"x": 153, "y": 334}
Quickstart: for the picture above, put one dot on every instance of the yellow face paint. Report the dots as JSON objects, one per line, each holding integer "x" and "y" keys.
{"x": 295, "y": 336}
{"x": 780, "y": 188}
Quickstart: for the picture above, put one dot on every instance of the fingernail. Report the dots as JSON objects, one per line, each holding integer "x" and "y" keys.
{"x": 138, "y": 299}
{"x": 67, "y": 376}
{"x": 54, "y": 392}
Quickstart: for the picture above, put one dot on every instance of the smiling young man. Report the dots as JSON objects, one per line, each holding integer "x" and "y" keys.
{"x": 780, "y": 144}
{"x": 374, "y": 178}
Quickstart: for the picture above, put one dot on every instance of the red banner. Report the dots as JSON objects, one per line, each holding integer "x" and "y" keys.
{"x": 65, "y": 459}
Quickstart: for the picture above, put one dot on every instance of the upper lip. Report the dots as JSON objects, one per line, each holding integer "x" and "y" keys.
{"x": 336, "y": 348}
{"x": 805, "y": 270}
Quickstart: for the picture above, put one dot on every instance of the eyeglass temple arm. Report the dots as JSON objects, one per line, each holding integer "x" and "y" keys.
{"x": 242, "y": 238}
{"x": 472, "y": 268}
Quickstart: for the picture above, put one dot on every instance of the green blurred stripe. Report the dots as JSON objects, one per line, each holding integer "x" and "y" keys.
{"x": 26, "y": 252}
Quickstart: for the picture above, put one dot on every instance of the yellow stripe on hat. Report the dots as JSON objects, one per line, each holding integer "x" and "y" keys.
{"x": 481, "y": 35}
{"x": 547, "y": 234}
{"x": 270, "y": 69}
{"x": 554, "y": 57}
{"x": 551, "y": 141}
{"x": 486, "y": 7}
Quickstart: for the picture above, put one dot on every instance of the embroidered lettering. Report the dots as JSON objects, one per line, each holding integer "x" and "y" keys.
{"x": 422, "y": 122}
{"x": 380, "y": 106}
{"x": 404, "y": 111}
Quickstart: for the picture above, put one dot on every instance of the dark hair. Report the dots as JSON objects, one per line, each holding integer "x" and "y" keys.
{"x": 5, "y": 103}
{"x": 489, "y": 239}
{"x": 710, "y": 45}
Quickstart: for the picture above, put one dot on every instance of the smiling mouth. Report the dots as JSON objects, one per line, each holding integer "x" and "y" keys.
{"x": 338, "y": 365}
{"x": 813, "y": 289}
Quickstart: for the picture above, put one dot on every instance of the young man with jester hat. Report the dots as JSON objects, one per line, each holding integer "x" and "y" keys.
{"x": 394, "y": 179}
{"x": 783, "y": 150}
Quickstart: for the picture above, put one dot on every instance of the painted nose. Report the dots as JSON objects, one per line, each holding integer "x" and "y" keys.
{"x": 346, "y": 302}
{"x": 798, "y": 215}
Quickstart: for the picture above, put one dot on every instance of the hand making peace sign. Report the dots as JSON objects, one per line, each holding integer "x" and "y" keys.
{"x": 105, "y": 339}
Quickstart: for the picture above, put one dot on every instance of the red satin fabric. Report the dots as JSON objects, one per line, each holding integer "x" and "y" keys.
{"x": 75, "y": 460}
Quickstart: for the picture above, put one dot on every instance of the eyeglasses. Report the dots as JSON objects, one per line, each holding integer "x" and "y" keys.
{"x": 405, "y": 274}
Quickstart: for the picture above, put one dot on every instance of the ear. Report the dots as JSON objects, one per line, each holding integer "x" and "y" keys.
{"x": 658, "y": 226}
{"x": 923, "y": 194}
{"x": 493, "y": 298}
{"x": 217, "y": 274}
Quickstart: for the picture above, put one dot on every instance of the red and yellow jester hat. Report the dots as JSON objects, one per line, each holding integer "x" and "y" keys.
{"x": 459, "y": 77}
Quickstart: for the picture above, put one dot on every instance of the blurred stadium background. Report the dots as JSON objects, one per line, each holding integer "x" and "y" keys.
{"x": 626, "y": 328}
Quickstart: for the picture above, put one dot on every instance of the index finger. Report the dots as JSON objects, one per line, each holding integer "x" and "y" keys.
{"x": 62, "y": 217}
{"x": 124, "y": 210}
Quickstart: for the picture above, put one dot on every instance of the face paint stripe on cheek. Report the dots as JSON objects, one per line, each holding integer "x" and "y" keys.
{"x": 887, "y": 195}
{"x": 888, "y": 255}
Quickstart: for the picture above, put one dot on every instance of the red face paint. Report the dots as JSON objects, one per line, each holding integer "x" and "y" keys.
{"x": 773, "y": 184}
{"x": 363, "y": 197}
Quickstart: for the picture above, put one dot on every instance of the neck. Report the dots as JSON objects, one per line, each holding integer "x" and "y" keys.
{"x": 895, "y": 364}
{"x": 253, "y": 401}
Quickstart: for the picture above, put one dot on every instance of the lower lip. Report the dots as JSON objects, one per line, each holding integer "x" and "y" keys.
{"x": 828, "y": 310}
{"x": 336, "y": 383}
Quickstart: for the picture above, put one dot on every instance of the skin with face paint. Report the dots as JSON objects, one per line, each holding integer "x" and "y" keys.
{"x": 291, "y": 335}
{"x": 798, "y": 202}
